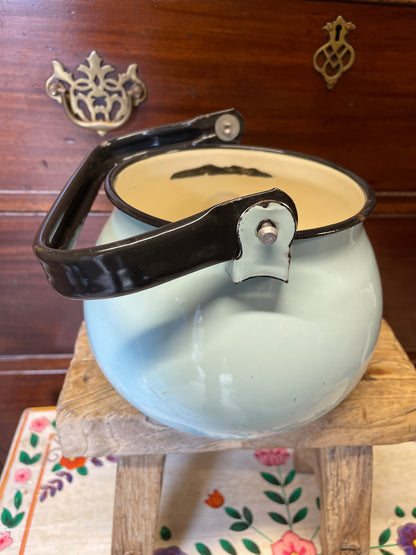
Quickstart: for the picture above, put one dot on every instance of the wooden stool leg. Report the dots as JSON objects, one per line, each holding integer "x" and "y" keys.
{"x": 136, "y": 504}
{"x": 304, "y": 460}
{"x": 345, "y": 476}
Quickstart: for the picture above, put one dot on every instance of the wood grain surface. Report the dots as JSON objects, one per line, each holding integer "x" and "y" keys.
{"x": 345, "y": 478}
{"x": 136, "y": 504}
{"x": 197, "y": 57}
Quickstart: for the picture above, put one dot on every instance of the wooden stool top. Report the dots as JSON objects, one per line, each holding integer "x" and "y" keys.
{"x": 94, "y": 420}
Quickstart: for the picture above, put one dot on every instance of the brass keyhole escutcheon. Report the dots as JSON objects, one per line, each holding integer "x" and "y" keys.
{"x": 336, "y": 56}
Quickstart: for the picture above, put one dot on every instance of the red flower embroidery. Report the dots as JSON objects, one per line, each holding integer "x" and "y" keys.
{"x": 73, "y": 462}
{"x": 292, "y": 544}
{"x": 5, "y": 540}
{"x": 215, "y": 499}
{"x": 38, "y": 424}
{"x": 271, "y": 457}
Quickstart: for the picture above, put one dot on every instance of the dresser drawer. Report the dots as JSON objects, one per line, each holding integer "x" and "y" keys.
{"x": 197, "y": 57}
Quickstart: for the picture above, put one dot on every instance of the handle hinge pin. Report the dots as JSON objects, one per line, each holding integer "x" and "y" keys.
{"x": 227, "y": 127}
{"x": 267, "y": 232}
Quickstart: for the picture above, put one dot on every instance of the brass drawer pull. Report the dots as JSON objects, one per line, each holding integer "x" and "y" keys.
{"x": 96, "y": 99}
{"x": 336, "y": 56}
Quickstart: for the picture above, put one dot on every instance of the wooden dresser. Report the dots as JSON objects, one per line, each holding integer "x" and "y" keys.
{"x": 196, "y": 57}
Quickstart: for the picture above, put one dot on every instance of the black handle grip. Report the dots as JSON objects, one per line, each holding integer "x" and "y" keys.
{"x": 152, "y": 258}
{"x": 141, "y": 261}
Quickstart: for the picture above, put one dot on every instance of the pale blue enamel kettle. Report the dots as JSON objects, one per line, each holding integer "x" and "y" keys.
{"x": 233, "y": 291}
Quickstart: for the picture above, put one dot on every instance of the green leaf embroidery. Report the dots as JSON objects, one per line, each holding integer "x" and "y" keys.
{"x": 16, "y": 520}
{"x": 414, "y": 512}
{"x": 202, "y": 549}
{"x": 165, "y": 533}
{"x": 290, "y": 477}
{"x": 399, "y": 512}
{"x": 239, "y": 526}
{"x": 6, "y": 517}
{"x": 9, "y": 521}
{"x": 384, "y": 536}
{"x": 295, "y": 495}
{"x": 251, "y": 546}
{"x": 82, "y": 470}
{"x": 26, "y": 459}
{"x": 248, "y": 515}
{"x": 318, "y": 503}
{"x": 270, "y": 478}
{"x": 385, "y": 552}
{"x": 276, "y": 497}
{"x": 18, "y": 499}
{"x": 232, "y": 512}
{"x": 300, "y": 515}
{"x": 278, "y": 518}
{"x": 34, "y": 439}
{"x": 56, "y": 467}
{"x": 226, "y": 545}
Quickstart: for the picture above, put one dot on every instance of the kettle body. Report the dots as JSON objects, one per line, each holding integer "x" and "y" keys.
{"x": 210, "y": 357}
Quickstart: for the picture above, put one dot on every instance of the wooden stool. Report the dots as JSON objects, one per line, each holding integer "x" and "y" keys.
{"x": 94, "y": 420}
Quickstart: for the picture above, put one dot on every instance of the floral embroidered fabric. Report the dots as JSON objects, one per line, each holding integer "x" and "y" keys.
{"x": 235, "y": 502}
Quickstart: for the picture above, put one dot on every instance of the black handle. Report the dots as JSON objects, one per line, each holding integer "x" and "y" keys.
{"x": 145, "y": 260}
{"x": 152, "y": 258}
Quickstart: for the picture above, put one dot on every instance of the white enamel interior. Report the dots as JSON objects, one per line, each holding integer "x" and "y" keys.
{"x": 323, "y": 195}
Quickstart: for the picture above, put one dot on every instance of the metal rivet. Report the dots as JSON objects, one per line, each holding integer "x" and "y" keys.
{"x": 267, "y": 232}
{"x": 137, "y": 91}
{"x": 227, "y": 127}
{"x": 54, "y": 89}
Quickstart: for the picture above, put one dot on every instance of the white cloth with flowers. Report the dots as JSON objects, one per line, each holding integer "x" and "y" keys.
{"x": 234, "y": 502}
